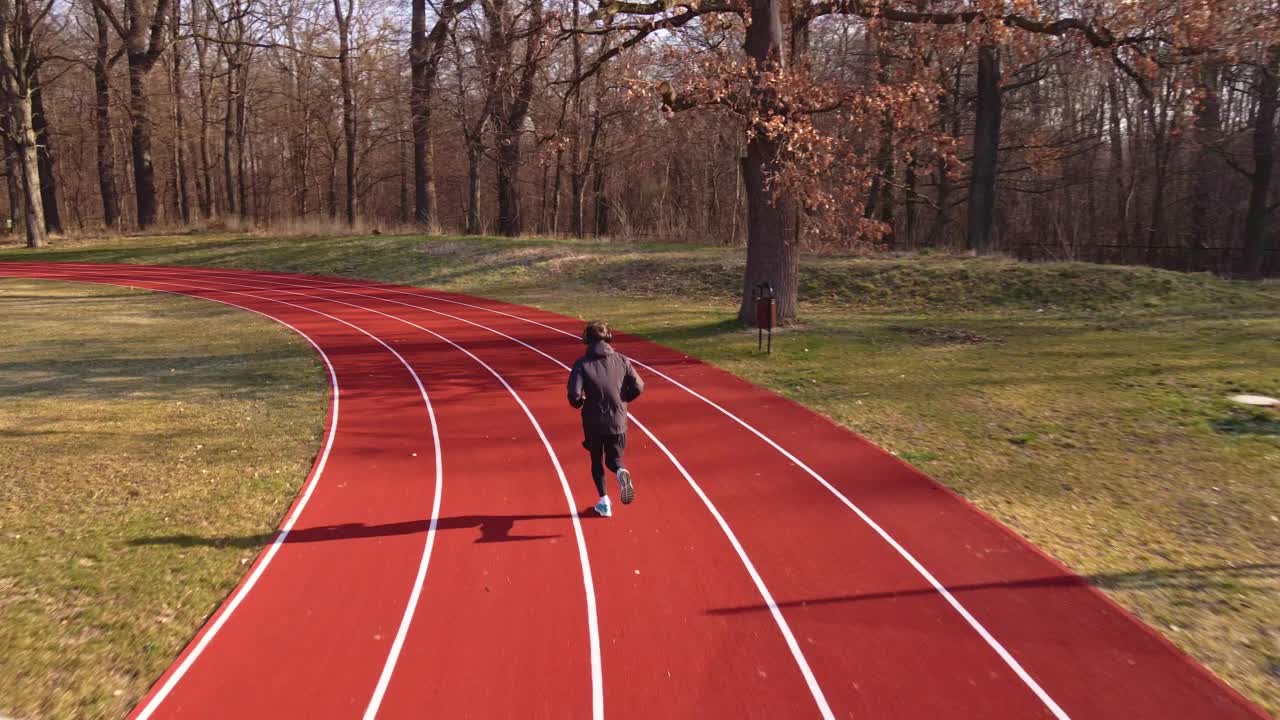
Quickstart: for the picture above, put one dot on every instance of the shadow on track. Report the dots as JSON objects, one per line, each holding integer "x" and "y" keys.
{"x": 493, "y": 528}
{"x": 1192, "y": 578}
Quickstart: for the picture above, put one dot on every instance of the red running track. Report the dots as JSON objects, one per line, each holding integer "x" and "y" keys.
{"x": 442, "y": 560}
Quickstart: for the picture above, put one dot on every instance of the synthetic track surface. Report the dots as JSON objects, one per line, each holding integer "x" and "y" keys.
{"x": 442, "y": 559}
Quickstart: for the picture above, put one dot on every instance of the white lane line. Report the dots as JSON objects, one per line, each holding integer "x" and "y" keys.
{"x": 225, "y": 611}
{"x": 597, "y": 682}
{"x": 941, "y": 589}
{"x": 964, "y": 613}
{"x": 796, "y": 653}
{"x": 416, "y": 592}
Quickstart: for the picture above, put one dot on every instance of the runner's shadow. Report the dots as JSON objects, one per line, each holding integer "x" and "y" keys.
{"x": 493, "y": 529}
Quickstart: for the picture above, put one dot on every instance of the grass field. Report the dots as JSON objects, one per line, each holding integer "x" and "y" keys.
{"x": 126, "y": 414}
{"x": 1084, "y": 406}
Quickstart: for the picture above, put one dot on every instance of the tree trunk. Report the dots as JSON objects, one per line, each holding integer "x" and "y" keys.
{"x": 24, "y": 163}
{"x": 205, "y": 186}
{"x": 1136, "y": 120}
{"x": 144, "y": 175}
{"x": 888, "y": 171}
{"x": 913, "y": 208}
{"x": 1116, "y": 142}
{"x": 404, "y": 164}
{"x": 577, "y": 169}
{"x": 772, "y": 251}
{"x": 249, "y": 188}
{"x": 772, "y": 254}
{"x": 13, "y": 180}
{"x": 1208, "y": 127}
{"x": 557, "y": 181}
{"x": 508, "y": 166}
{"x": 710, "y": 192}
{"x": 949, "y": 111}
{"x": 228, "y": 142}
{"x": 425, "y": 52}
{"x": 598, "y": 179}
{"x": 577, "y": 190}
{"x": 179, "y": 122}
{"x": 144, "y": 38}
{"x": 102, "y": 118}
{"x": 1160, "y": 135}
{"x": 48, "y": 181}
{"x": 427, "y": 211}
{"x": 597, "y": 165}
{"x": 986, "y": 146}
{"x": 513, "y": 87}
{"x": 474, "y": 152}
{"x": 348, "y": 103}
{"x": 1264, "y": 156}
{"x": 424, "y": 185}
{"x": 242, "y": 137}
{"x": 29, "y": 165}
{"x": 331, "y": 192}
{"x": 299, "y": 165}
{"x": 879, "y": 204}
{"x": 543, "y": 225}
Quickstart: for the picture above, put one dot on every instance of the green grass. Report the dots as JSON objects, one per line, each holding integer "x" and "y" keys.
{"x": 127, "y": 414}
{"x": 1083, "y": 406}
{"x": 551, "y": 268}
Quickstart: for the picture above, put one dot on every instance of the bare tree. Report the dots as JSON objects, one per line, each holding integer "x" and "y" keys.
{"x": 986, "y": 144}
{"x": 17, "y": 84}
{"x": 44, "y": 144}
{"x": 511, "y": 87}
{"x": 204, "y": 178}
{"x": 1267, "y": 87}
{"x": 102, "y": 121}
{"x": 844, "y": 125}
{"x": 426, "y": 49}
{"x": 176, "y": 83}
{"x": 343, "y": 18}
{"x": 472, "y": 126}
{"x": 145, "y": 40}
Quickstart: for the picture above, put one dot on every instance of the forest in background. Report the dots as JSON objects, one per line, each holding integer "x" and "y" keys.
{"x": 1138, "y": 131}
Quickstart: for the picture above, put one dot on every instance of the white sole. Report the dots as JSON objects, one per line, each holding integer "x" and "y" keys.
{"x": 628, "y": 490}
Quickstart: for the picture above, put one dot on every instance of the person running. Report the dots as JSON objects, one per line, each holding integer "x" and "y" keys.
{"x": 601, "y": 384}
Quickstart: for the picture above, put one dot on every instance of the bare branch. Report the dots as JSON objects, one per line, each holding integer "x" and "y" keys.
{"x": 640, "y": 31}
{"x": 111, "y": 17}
{"x": 1097, "y": 35}
{"x": 223, "y": 42}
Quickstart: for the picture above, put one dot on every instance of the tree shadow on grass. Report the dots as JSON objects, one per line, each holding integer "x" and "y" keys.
{"x": 700, "y": 331}
{"x": 1256, "y": 424}
{"x": 257, "y": 374}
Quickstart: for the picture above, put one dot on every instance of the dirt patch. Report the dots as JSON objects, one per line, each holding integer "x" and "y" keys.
{"x": 453, "y": 248}
{"x": 944, "y": 336}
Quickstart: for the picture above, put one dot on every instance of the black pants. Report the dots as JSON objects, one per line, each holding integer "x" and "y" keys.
{"x": 606, "y": 450}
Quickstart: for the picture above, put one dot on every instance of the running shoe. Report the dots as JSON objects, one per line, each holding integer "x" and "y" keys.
{"x": 628, "y": 490}
{"x": 603, "y": 508}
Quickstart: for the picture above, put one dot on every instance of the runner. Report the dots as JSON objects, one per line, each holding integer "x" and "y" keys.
{"x": 601, "y": 384}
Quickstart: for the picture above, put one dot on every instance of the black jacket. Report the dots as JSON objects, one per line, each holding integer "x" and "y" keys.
{"x": 602, "y": 382}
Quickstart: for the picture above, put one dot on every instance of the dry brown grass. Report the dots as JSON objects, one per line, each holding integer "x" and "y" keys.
{"x": 126, "y": 415}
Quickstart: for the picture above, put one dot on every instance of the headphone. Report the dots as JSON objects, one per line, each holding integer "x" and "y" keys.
{"x": 589, "y": 335}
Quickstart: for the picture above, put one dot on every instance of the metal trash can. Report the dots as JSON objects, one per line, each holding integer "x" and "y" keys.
{"x": 766, "y": 313}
